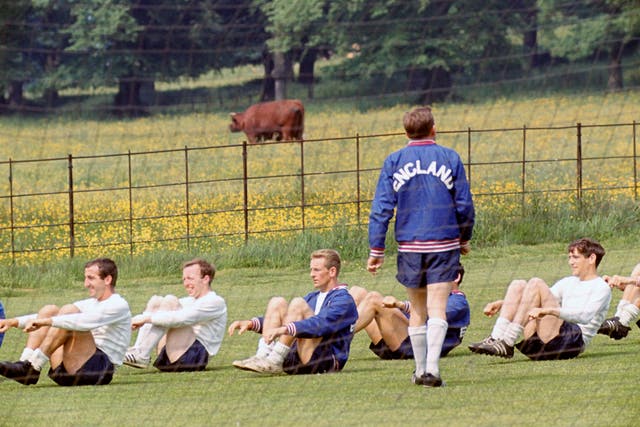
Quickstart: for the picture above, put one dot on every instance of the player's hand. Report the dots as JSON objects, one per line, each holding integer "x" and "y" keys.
{"x": 374, "y": 264}
{"x": 536, "y": 313}
{"x": 389, "y": 301}
{"x": 35, "y": 324}
{"x": 616, "y": 281}
{"x": 241, "y": 325}
{"x": 492, "y": 308}
{"x": 274, "y": 334}
{"x": 465, "y": 248}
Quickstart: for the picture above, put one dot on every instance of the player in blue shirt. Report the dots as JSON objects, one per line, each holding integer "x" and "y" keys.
{"x": 424, "y": 186}
{"x": 306, "y": 335}
{"x": 386, "y": 321}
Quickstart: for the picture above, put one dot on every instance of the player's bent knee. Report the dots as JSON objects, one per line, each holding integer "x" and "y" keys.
{"x": 68, "y": 308}
{"x": 48, "y": 310}
{"x": 170, "y": 302}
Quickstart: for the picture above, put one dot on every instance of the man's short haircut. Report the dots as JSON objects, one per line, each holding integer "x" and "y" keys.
{"x": 106, "y": 267}
{"x": 331, "y": 258}
{"x": 418, "y": 122}
{"x": 587, "y": 247}
{"x": 206, "y": 268}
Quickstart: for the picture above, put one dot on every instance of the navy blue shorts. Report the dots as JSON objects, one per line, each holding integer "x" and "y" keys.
{"x": 194, "y": 359}
{"x": 566, "y": 345}
{"x": 405, "y": 351}
{"x": 417, "y": 270}
{"x": 98, "y": 370}
{"x": 322, "y": 361}
{"x": 382, "y": 350}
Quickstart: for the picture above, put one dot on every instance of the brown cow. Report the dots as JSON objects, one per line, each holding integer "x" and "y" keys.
{"x": 283, "y": 119}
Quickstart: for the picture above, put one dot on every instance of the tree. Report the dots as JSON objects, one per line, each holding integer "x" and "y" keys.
{"x": 424, "y": 42}
{"x": 302, "y": 37}
{"x": 585, "y": 29}
{"x": 137, "y": 43}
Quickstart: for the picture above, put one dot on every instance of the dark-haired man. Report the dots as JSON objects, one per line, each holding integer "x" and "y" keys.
{"x": 556, "y": 322}
{"x": 82, "y": 341}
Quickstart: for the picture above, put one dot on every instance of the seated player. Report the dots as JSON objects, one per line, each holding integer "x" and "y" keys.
{"x": 557, "y": 322}
{"x": 83, "y": 341}
{"x": 309, "y": 335}
{"x": 386, "y": 321}
{"x": 618, "y": 326}
{"x": 186, "y": 331}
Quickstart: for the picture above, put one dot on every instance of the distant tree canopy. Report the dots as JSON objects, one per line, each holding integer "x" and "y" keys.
{"x": 50, "y": 45}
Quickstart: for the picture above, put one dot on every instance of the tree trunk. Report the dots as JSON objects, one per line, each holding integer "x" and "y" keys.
{"x": 530, "y": 38}
{"x": 437, "y": 85}
{"x": 268, "y": 84}
{"x": 615, "y": 68}
{"x": 16, "y": 94}
{"x": 306, "y": 75}
{"x": 280, "y": 75}
{"x": 127, "y": 101}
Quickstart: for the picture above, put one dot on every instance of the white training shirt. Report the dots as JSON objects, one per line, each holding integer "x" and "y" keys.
{"x": 207, "y": 314}
{"x": 109, "y": 322}
{"x": 584, "y": 303}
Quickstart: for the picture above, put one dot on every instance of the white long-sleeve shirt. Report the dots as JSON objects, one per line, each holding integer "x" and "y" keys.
{"x": 584, "y": 303}
{"x": 207, "y": 315}
{"x": 109, "y": 322}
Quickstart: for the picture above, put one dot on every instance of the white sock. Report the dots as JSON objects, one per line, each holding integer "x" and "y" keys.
{"x": 512, "y": 333}
{"x": 278, "y": 353}
{"x": 148, "y": 338}
{"x": 26, "y": 354}
{"x": 38, "y": 359}
{"x": 628, "y": 314}
{"x": 621, "y": 304}
{"x": 436, "y": 331}
{"x": 418, "y": 337}
{"x": 263, "y": 348}
{"x": 499, "y": 328}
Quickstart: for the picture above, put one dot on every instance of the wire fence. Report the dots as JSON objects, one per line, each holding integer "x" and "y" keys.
{"x": 513, "y": 163}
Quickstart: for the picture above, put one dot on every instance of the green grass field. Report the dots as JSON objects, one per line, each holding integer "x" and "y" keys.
{"x": 596, "y": 389}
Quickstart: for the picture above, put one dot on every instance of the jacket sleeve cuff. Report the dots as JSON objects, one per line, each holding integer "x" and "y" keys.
{"x": 376, "y": 253}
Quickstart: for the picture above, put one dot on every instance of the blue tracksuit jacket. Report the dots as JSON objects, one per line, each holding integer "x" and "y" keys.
{"x": 427, "y": 186}
{"x": 335, "y": 322}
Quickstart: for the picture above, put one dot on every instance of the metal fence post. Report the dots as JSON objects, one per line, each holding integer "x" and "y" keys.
{"x": 579, "y": 163}
{"x": 635, "y": 163}
{"x": 358, "y": 198}
{"x": 72, "y": 231}
{"x": 186, "y": 195}
{"x": 469, "y": 155}
{"x": 524, "y": 168}
{"x": 245, "y": 203}
{"x": 12, "y": 220}
{"x": 130, "y": 204}
{"x": 302, "y": 195}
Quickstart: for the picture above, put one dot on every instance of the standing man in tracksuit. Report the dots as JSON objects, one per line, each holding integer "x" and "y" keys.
{"x": 427, "y": 186}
